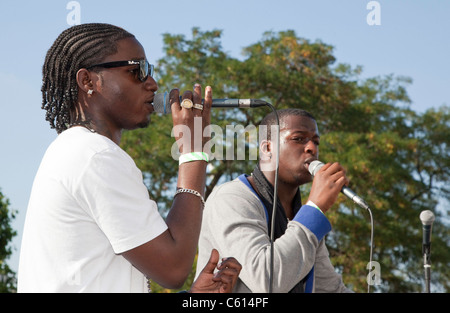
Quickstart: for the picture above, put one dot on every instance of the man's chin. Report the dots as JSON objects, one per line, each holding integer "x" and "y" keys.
{"x": 144, "y": 124}
{"x": 138, "y": 126}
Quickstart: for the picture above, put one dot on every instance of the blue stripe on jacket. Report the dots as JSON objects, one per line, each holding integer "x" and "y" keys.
{"x": 309, "y": 217}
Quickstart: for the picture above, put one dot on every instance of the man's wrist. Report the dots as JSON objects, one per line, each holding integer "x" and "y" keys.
{"x": 316, "y": 222}
{"x": 193, "y": 156}
{"x": 310, "y": 203}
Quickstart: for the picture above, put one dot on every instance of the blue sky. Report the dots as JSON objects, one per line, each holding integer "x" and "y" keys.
{"x": 411, "y": 41}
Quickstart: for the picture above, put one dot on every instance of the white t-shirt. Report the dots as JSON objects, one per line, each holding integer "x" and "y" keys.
{"x": 88, "y": 204}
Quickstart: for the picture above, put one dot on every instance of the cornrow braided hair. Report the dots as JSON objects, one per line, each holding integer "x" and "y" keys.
{"x": 77, "y": 47}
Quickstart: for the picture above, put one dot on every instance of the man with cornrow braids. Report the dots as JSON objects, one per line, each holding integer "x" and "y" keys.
{"x": 90, "y": 225}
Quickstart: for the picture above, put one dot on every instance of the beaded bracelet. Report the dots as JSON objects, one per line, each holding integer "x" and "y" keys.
{"x": 193, "y": 156}
{"x": 196, "y": 193}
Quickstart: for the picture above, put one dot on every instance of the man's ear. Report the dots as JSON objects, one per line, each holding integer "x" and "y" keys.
{"x": 265, "y": 150}
{"x": 84, "y": 81}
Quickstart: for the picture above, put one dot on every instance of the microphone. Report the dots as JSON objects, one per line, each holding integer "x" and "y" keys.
{"x": 161, "y": 103}
{"x": 315, "y": 166}
{"x": 427, "y": 218}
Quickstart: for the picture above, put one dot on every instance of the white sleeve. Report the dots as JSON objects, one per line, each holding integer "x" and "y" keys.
{"x": 112, "y": 192}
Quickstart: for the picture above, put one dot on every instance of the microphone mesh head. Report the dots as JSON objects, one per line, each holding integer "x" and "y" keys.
{"x": 427, "y": 217}
{"x": 161, "y": 103}
{"x": 314, "y": 167}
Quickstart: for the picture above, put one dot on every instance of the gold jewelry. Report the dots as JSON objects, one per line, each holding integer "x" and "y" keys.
{"x": 198, "y": 106}
{"x": 187, "y": 103}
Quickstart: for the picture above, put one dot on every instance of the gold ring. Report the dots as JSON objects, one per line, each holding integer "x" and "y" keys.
{"x": 198, "y": 106}
{"x": 187, "y": 103}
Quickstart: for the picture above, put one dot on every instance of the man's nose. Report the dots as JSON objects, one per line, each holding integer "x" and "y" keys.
{"x": 311, "y": 147}
{"x": 150, "y": 84}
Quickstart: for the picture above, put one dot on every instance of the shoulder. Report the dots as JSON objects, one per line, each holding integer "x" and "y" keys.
{"x": 80, "y": 137}
{"x": 78, "y": 144}
{"x": 77, "y": 150}
{"x": 234, "y": 197}
{"x": 234, "y": 188}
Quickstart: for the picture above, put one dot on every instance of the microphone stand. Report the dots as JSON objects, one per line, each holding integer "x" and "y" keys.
{"x": 427, "y": 218}
{"x": 427, "y": 267}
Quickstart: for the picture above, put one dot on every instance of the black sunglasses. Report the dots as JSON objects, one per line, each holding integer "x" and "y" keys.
{"x": 145, "y": 69}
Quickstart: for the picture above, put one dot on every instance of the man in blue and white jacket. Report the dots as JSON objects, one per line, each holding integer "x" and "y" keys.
{"x": 237, "y": 217}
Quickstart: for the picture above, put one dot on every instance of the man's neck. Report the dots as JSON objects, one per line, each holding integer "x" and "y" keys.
{"x": 286, "y": 192}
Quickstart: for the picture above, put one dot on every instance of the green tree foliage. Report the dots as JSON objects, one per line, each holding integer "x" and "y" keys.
{"x": 396, "y": 158}
{"x": 7, "y": 276}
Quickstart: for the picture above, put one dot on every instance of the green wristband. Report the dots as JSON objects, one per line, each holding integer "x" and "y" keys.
{"x": 193, "y": 156}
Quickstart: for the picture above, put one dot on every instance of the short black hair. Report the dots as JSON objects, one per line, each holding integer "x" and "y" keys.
{"x": 77, "y": 47}
{"x": 270, "y": 119}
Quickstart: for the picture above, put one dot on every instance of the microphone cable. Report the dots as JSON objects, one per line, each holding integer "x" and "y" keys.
{"x": 371, "y": 248}
{"x": 275, "y": 195}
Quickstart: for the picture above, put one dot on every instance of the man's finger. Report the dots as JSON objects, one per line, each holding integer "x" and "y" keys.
{"x": 212, "y": 262}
